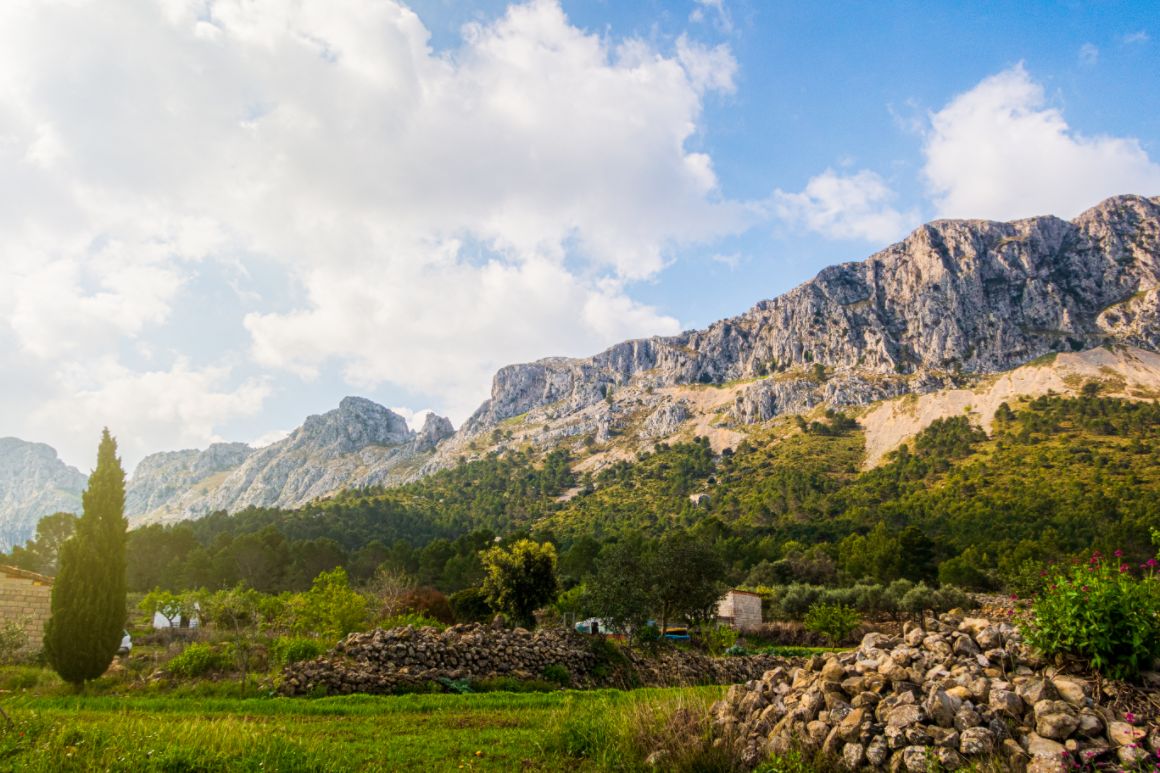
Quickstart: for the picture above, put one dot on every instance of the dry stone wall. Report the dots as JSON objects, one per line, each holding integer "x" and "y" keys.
{"x": 945, "y": 695}
{"x": 385, "y": 661}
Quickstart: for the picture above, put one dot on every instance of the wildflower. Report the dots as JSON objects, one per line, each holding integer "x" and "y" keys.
{"x": 1150, "y": 563}
{"x": 1123, "y": 568}
{"x": 1014, "y": 596}
{"x": 1119, "y": 554}
{"x": 1084, "y": 589}
{"x": 1130, "y": 718}
{"x": 1096, "y": 554}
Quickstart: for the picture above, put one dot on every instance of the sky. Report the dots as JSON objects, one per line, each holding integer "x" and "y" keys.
{"x": 220, "y": 216}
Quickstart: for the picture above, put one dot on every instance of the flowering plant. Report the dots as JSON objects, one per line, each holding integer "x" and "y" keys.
{"x": 1103, "y": 612}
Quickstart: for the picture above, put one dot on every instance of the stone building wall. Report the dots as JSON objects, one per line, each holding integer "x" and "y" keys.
{"x": 25, "y": 597}
{"x": 740, "y": 609}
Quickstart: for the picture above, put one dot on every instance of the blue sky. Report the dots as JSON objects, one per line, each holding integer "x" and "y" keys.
{"x": 217, "y": 216}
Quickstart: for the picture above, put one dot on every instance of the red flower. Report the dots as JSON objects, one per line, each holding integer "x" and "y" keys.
{"x": 1123, "y": 568}
{"x": 1118, "y": 554}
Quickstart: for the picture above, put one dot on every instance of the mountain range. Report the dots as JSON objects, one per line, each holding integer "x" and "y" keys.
{"x": 957, "y": 317}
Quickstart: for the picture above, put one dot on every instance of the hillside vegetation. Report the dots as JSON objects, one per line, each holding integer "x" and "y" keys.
{"x": 1058, "y": 476}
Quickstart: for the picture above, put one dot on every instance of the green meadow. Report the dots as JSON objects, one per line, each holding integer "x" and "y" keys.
{"x": 597, "y": 730}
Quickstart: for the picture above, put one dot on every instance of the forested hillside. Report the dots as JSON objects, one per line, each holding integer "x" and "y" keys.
{"x": 1058, "y": 476}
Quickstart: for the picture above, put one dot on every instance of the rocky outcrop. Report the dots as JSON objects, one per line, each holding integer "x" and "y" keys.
{"x": 951, "y": 692}
{"x": 357, "y": 445}
{"x": 34, "y": 482}
{"x": 386, "y": 661}
{"x": 953, "y": 300}
{"x": 171, "y": 483}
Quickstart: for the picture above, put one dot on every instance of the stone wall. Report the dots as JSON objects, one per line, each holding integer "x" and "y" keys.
{"x": 385, "y": 661}
{"x": 26, "y": 597}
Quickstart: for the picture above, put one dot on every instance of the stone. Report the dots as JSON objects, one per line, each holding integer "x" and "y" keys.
{"x": 903, "y": 716}
{"x": 1006, "y": 702}
{"x": 941, "y": 707}
{"x": 853, "y": 756}
{"x": 1036, "y": 689}
{"x": 1055, "y": 719}
{"x": 1091, "y": 724}
{"x": 1123, "y": 734}
{"x": 1038, "y": 746}
{"x": 877, "y": 751}
{"x": 977, "y": 740}
{"x": 833, "y": 671}
{"x": 1073, "y": 691}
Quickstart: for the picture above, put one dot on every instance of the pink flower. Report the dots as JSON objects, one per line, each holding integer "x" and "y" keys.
{"x": 1150, "y": 563}
{"x": 1123, "y": 568}
{"x": 1118, "y": 554}
{"x": 1130, "y": 718}
{"x": 1084, "y": 589}
{"x": 1014, "y": 597}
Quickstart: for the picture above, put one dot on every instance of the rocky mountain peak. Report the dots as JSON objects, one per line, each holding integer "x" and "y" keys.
{"x": 34, "y": 482}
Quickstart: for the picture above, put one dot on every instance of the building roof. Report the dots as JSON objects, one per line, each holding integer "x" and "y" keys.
{"x": 15, "y": 571}
{"x": 738, "y": 592}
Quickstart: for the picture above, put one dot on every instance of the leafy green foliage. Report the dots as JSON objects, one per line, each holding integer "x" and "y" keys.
{"x": 198, "y": 659}
{"x": 520, "y": 579}
{"x": 834, "y": 621}
{"x": 1101, "y": 611}
{"x": 88, "y": 598}
{"x": 291, "y": 649}
{"x": 330, "y": 609}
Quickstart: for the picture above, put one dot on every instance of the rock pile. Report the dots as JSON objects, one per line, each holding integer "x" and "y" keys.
{"x": 385, "y": 661}
{"x": 943, "y": 694}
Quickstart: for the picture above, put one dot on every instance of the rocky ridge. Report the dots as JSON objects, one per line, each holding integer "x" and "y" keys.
{"x": 358, "y": 444}
{"x": 34, "y": 482}
{"x": 955, "y": 301}
{"x": 949, "y": 692}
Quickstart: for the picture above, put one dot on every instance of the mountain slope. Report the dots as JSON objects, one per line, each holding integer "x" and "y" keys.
{"x": 954, "y": 301}
{"x": 358, "y": 444}
{"x": 34, "y": 483}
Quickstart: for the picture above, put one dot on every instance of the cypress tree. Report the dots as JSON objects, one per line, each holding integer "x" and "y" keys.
{"x": 88, "y": 596}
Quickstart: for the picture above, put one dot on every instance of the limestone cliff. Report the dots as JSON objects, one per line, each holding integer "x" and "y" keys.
{"x": 953, "y": 301}
{"x": 34, "y": 482}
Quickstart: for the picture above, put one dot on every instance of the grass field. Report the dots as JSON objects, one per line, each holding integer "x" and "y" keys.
{"x": 597, "y": 730}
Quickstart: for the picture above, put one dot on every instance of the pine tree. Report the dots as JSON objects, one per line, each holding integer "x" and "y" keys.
{"x": 88, "y": 596}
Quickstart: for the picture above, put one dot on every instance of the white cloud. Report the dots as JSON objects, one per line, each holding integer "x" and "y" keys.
{"x": 999, "y": 151}
{"x": 856, "y": 206}
{"x": 182, "y": 404}
{"x": 1139, "y": 36}
{"x": 421, "y": 217}
{"x": 715, "y": 11}
{"x": 1089, "y": 54}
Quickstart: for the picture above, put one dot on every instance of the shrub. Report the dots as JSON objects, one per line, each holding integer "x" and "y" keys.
{"x": 13, "y": 640}
{"x": 717, "y": 638}
{"x": 557, "y": 674}
{"x": 412, "y": 619}
{"x": 470, "y": 606}
{"x": 197, "y": 660}
{"x": 287, "y": 649}
{"x": 834, "y": 621}
{"x": 1101, "y": 612}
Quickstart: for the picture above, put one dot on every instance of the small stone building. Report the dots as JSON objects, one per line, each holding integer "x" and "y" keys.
{"x": 740, "y": 609}
{"x": 25, "y": 598}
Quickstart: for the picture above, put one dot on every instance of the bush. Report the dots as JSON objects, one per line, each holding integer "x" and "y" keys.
{"x": 197, "y": 660}
{"x": 412, "y": 619}
{"x": 833, "y": 621}
{"x": 717, "y": 638}
{"x": 287, "y": 649}
{"x": 1102, "y": 613}
{"x": 13, "y": 640}
{"x": 557, "y": 674}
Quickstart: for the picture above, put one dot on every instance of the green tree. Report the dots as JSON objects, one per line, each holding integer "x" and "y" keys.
{"x": 520, "y": 580}
{"x": 88, "y": 597}
{"x": 687, "y": 576}
{"x": 621, "y": 592}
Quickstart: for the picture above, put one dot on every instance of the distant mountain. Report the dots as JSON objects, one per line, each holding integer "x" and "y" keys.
{"x": 34, "y": 482}
{"x": 358, "y": 444}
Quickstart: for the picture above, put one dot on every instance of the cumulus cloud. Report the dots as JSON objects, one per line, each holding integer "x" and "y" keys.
{"x": 856, "y": 206}
{"x": 421, "y": 217}
{"x": 183, "y": 404}
{"x": 999, "y": 151}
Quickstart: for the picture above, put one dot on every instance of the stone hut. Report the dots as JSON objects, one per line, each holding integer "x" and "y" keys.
{"x": 25, "y": 598}
{"x": 740, "y": 609}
